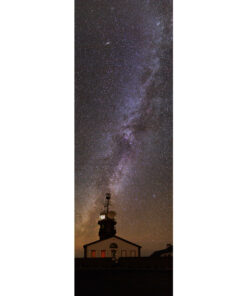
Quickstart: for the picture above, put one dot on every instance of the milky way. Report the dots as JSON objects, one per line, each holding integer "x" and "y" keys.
{"x": 123, "y": 119}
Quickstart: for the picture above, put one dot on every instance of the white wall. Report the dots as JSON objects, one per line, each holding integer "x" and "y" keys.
{"x": 105, "y": 245}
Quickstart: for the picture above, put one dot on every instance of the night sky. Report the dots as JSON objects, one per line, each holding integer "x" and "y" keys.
{"x": 123, "y": 119}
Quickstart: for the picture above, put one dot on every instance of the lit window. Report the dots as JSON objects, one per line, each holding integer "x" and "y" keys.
{"x": 93, "y": 253}
{"x": 103, "y": 253}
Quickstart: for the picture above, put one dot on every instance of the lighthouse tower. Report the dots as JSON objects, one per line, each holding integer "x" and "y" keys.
{"x": 107, "y": 220}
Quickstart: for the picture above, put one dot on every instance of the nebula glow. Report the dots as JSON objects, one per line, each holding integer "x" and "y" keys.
{"x": 123, "y": 124}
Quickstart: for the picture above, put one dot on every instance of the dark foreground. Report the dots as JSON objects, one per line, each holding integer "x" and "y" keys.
{"x": 119, "y": 282}
{"x": 123, "y": 281}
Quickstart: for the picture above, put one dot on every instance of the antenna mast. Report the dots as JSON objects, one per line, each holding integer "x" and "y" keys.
{"x": 107, "y": 202}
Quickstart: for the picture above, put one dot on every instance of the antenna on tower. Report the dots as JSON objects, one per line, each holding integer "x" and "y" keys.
{"x": 107, "y": 202}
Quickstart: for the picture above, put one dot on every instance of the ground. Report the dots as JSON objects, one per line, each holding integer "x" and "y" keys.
{"x": 123, "y": 282}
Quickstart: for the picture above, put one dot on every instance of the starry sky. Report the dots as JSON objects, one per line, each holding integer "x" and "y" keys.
{"x": 123, "y": 119}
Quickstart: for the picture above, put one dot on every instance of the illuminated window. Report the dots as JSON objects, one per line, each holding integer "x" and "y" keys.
{"x": 103, "y": 253}
{"x": 123, "y": 253}
{"x": 133, "y": 253}
{"x": 93, "y": 253}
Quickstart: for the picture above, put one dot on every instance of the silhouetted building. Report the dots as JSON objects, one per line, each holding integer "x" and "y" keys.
{"x": 110, "y": 245}
{"x": 163, "y": 253}
{"x": 107, "y": 221}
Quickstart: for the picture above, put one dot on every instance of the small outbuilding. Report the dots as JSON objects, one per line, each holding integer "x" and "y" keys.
{"x": 168, "y": 252}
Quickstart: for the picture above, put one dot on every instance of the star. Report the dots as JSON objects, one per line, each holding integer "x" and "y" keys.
{"x": 123, "y": 119}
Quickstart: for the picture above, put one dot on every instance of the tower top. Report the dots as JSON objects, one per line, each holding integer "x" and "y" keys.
{"x": 107, "y": 220}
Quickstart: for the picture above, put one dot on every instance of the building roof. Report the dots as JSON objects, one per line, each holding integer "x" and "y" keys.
{"x": 100, "y": 240}
{"x": 169, "y": 249}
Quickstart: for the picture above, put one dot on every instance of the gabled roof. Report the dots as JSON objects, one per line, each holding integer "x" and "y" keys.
{"x": 100, "y": 240}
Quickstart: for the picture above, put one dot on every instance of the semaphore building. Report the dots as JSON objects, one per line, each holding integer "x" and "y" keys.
{"x": 109, "y": 244}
